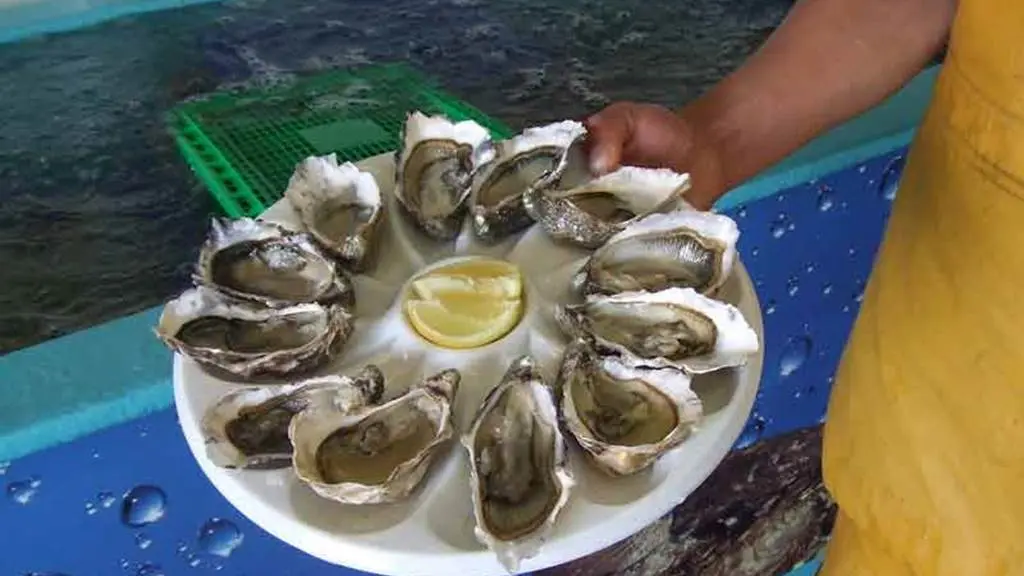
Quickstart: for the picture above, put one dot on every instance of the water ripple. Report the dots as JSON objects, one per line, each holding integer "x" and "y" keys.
{"x": 99, "y": 217}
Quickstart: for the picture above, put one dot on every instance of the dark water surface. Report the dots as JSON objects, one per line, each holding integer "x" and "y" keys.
{"x": 100, "y": 218}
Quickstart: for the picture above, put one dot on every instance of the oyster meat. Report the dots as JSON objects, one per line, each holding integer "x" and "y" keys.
{"x": 248, "y": 427}
{"x": 434, "y": 168}
{"x": 379, "y": 454}
{"x": 247, "y": 340}
{"x": 589, "y": 214}
{"x": 683, "y": 249}
{"x": 536, "y": 158}
{"x": 623, "y": 417}
{"x": 519, "y": 474}
{"x": 675, "y": 327}
{"x": 263, "y": 262}
{"x": 340, "y": 206}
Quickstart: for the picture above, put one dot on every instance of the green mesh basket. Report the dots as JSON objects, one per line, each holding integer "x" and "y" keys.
{"x": 244, "y": 146}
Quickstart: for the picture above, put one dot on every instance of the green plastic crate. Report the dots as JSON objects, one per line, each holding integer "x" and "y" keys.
{"x": 244, "y": 146}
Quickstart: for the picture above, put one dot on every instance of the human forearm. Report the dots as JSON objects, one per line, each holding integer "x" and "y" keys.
{"x": 830, "y": 60}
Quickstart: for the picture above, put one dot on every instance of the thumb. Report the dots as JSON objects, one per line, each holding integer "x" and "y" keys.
{"x": 608, "y": 131}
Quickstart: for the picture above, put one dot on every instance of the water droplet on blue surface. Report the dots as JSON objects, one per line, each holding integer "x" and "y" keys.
{"x": 742, "y": 213}
{"x": 825, "y": 199}
{"x": 23, "y": 491}
{"x": 890, "y": 181}
{"x": 3, "y": 467}
{"x": 846, "y": 308}
{"x": 797, "y": 395}
{"x": 142, "y": 541}
{"x": 34, "y": 481}
{"x": 752, "y": 433}
{"x": 143, "y": 505}
{"x": 125, "y": 564}
{"x": 106, "y": 499}
{"x": 219, "y": 537}
{"x": 778, "y": 229}
{"x": 826, "y": 289}
{"x": 770, "y": 307}
{"x": 193, "y": 561}
{"x": 794, "y": 355}
{"x": 150, "y": 570}
{"x": 862, "y": 169}
{"x": 90, "y": 508}
{"x": 852, "y": 251}
{"x": 792, "y": 287}
{"x": 181, "y": 548}
{"x": 95, "y": 455}
{"x": 810, "y": 268}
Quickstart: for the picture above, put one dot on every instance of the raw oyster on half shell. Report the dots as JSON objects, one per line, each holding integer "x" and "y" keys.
{"x": 519, "y": 474}
{"x": 589, "y": 214}
{"x": 434, "y": 168}
{"x": 340, "y": 205}
{"x": 535, "y": 158}
{"x": 675, "y": 327}
{"x": 248, "y": 427}
{"x": 623, "y": 417}
{"x": 681, "y": 249}
{"x": 378, "y": 454}
{"x": 248, "y": 340}
{"x": 263, "y": 262}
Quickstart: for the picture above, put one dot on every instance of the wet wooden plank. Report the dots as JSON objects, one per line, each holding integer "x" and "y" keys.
{"x": 763, "y": 511}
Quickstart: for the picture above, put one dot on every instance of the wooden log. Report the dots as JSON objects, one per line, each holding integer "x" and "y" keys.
{"x": 762, "y": 512}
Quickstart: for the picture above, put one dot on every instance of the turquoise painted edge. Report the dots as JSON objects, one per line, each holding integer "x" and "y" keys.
{"x": 66, "y": 388}
{"x": 36, "y": 17}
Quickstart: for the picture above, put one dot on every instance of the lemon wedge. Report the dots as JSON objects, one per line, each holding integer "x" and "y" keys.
{"x": 471, "y": 278}
{"x": 467, "y": 304}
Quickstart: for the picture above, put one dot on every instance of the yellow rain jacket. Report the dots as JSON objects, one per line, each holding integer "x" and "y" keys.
{"x": 924, "y": 444}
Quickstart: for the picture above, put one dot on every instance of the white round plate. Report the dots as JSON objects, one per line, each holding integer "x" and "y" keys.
{"x": 432, "y": 532}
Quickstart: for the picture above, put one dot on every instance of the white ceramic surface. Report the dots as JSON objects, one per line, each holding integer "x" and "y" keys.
{"x": 432, "y": 532}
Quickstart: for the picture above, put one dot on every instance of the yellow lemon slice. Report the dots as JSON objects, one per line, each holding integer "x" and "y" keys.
{"x": 465, "y": 324}
{"x": 467, "y": 304}
{"x": 471, "y": 279}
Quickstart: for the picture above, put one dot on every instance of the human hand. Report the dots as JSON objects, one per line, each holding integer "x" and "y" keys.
{"x": 652, "y": 136}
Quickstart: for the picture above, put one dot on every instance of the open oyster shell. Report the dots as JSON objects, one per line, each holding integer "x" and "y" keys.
{"x": 623, "y": 417}
{"x": 247, "y": 340}
{"x": 675, "y": 327}
{"x": 535, "y": 158}
{"x": 589, "y": 214}
{"x": 519, "y": 474}
{"x": 248, "y": 427}
{"x": 681, "y": 249}
{"x": 340, "y": 206}
{"x": 434, "y": 171}
{"x": 379, "y": 454}
{"x": 263, "y": 262}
